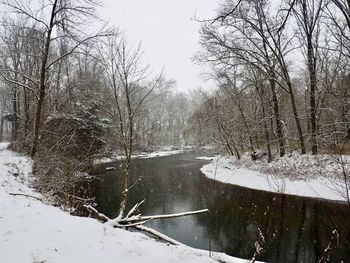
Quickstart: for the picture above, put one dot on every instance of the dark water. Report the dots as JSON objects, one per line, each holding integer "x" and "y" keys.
{"x": 287, "y": 228}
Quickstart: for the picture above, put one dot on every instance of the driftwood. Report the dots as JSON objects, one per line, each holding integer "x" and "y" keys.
{"x": 143, "y": 218}
{"x": 95, "y": 214}
{"x": 137, "y": 221}
{"x": 131, "y": 220}
{"x": 157, "y": 234}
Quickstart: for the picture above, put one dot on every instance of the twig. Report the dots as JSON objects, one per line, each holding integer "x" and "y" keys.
{"x": 224, "y": 16}
{"x": 26, "y": 195}
{"x": 135, "y": 208}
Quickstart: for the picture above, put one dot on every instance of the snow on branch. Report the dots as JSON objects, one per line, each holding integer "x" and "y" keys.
{"x": 141, "y": 218}
{"x": 137, "y": 221}
{"x": 95, "y": 214}
{"x": 157, "y": 234}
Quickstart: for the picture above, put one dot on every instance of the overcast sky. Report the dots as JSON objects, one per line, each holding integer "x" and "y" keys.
{"x": 168, "y": 35}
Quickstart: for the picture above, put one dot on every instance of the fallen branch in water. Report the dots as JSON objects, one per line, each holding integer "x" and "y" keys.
{"x": 142, "y": 218}
{"x": 137, "y": 221}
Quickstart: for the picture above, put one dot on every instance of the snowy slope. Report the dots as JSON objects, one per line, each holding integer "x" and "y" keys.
{"x": 223, "y": 169}
{"x": 31, "y": 231}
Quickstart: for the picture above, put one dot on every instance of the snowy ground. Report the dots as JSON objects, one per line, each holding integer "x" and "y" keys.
{"x": 31, "y": 231}
{"x": 307, "y": 175}
{"x": 142, "y": 155}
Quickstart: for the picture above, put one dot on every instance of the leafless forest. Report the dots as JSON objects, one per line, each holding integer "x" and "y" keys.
{"x": 71, "y": 92}
{"x": 74, "y": 91}
{"x": 282, "y": 71}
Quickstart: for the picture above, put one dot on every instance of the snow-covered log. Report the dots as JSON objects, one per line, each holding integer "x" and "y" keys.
{"x": 142, "y": 218}
{"x": 157, "y": 234}
{"x": 137, "y": 221}
{"x": 95, "y": 214}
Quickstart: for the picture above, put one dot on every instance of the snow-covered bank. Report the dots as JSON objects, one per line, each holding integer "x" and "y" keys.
{"x": 31, "y": 231}
{"x": 289, "y": 177}
{"x": 141, "y": 155}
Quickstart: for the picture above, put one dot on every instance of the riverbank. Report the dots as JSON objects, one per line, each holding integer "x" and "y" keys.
{"x": 319, "y": 176}
{"x": 32, "y": 231}
{"x": 140, "y": 155}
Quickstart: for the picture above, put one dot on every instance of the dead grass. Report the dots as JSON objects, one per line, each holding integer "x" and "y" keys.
{"x": 298, "y": 167}
{"x": 335, "y": 149}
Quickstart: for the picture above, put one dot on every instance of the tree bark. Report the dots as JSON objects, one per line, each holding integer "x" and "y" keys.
{"x": 308, "y": 18}
{"x": 1, "y": 129}
{"x": 26, "y": 113}
{"x": 266, "y": 131}
{"x": 42, "y": 86}
{"x": 296, "y": 118}
{"x": 313, "y": 87}
{"x": 14, "y": 128}
{"x": 279, "y": 129}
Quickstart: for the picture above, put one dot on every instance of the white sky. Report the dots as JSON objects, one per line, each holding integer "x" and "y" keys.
{"x": 168, "y": 36}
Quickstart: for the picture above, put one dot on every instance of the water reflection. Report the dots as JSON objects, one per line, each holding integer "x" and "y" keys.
{"x": 289, "y": 229}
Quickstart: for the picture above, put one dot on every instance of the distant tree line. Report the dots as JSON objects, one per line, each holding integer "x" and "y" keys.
{"x": 54, "y": 72}
{"x": 282, "y": 72}
{"x": 69, "y": 94}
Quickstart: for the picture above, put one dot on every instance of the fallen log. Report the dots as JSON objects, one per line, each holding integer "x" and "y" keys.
{"x": 95, "y": 214}
{"x": 137, "y": 221}
{"x": 142, "y": 218}
{"x": 157, "y": 234}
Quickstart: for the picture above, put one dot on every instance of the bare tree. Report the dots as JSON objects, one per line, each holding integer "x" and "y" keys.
{"x": 280, "y": 45}
{"x": 58, "y": 19}
{"x": 344, "y": 7}
{"x": 130, "y": 86}
{"x": 308, "y": 16}
{"x": 237, "y": 41}
{"x": 19, "y": 70}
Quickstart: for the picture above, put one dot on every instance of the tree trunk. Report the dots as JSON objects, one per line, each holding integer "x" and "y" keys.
{"x": 26, "y": 113}
{"x": 123, "y": 203}
{"x": 279, "y": 129}
{"x": 251, "y": 145}
{"x": 14, "y": 129}
{"x": 42, "y": 85}
{"x": 313, "y": 87}
{"x": 266, "y": 131}
{"x": 267, "y": 135}
{"x": 1, "y": 129}
{"x": 296, "y": 118}
{"x": 128, "y": 143}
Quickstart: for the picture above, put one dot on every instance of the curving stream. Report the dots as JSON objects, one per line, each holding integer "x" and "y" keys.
{"x": 287, "y": 228}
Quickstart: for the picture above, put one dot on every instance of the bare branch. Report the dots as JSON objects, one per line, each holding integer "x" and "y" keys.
{"x": 142, "y": 218}
{"x": 75, "y": 47}
{"x": 19, "y": 84}
{"x": 26, "y": 195}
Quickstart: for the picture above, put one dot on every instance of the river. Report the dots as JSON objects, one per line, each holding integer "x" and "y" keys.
{"x": 241, "y": 222}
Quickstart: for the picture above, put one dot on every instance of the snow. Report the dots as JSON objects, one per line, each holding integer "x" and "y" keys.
{"x": 142, "y": 155}
{"x": 226, "y": 170}
{"x": 205, "y": 158}
{"x": 32, "y": 231}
